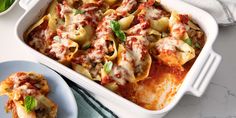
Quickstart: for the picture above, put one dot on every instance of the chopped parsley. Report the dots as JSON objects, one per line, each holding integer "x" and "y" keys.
{"x": 56, "y": 38}
{"x": 108, "y": 66}
{"x": 188, "y": 41}
{"x": 78, "y": 11}
{"x": 197, "y": 45}
{"x": 86, "y": 46}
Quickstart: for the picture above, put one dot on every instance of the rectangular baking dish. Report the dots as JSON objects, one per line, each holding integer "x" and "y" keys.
{"x": 194, "y": 83}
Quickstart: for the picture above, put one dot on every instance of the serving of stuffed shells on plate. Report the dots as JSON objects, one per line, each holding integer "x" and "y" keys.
{"x": 27, "y": 92}
{"x": 135, "y": 48}
{"x": 31, "y": 90}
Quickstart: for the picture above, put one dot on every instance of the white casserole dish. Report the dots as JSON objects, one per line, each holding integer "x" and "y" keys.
{"x": 195, "y": 81}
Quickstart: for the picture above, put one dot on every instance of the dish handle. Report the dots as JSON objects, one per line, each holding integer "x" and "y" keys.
{"x": 199, "y": 85}
{"x": 27, "y": 4}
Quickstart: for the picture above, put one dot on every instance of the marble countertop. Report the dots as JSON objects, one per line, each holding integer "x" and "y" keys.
{"x": 219, "y": 100}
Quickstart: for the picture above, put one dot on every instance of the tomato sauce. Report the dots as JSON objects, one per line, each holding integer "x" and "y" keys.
{"x": 153, "y": 84}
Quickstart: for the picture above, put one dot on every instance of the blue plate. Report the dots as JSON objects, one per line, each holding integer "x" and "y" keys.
{"x": 60, "y": 93}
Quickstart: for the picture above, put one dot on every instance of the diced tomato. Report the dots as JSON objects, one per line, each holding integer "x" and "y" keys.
{"x": 118, "y": 75}
{"x": 106, "y": 80}
{"x": 146, "y": 4}
{"x": 184, "y": 18}
{"x": 129, "y": 43}
{"x": 151, "y": 2}
{"x": 146, "y": 25}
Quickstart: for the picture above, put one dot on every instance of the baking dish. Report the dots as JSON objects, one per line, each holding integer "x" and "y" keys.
{"x": 195, "y": 81}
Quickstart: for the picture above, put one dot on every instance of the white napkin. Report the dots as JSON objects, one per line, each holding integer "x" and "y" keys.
{"x": 224, "y": 11}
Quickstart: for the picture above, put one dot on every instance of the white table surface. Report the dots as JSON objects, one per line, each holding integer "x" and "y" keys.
{"x": 219, "y": 100}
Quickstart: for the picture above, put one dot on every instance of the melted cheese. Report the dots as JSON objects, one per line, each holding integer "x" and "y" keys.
{"x": 127, "y": 61}
{"x": 178, "y": 30}
{"x": 139, "y": 29}
{"x": 64, "y": 10}
{"x": 138, "y": 48}
{"x": 126, "y": 6}
{"x": 120, "y": 75}
{"x": 96, "y": 55}
{"x": 60, "y": 48}
{"x": 174, "y": 51}
{"x": 104, "y": 28}
{"x": 39, "y": 41}
{"x": 167, "y": 44}
{"x": 153, "y": 13}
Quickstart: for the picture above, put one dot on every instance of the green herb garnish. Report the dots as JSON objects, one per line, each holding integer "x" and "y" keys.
{"x": 56, "y": 38}
{"x": 188, "y": 41}
{"x": 121, "y": 35}
{"x": 5, "y": 4}
{"x": 197, "y": 45}
{"x": 156, "y": 4}
{"x": 86, "y": 46}
{"x": 108, "y": 66}
{"x": 163, "y": 35}
{"x": 78, "y": 11}
{"x": 61, "y": 21}
{"x": 30, "y": 103}
{"x": 115, "y": 26}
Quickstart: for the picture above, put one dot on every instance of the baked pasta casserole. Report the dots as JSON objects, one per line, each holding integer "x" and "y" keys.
{"x": 136, "y": 48}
